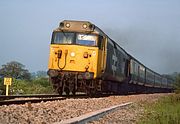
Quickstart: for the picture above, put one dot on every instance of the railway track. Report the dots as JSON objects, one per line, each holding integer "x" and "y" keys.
{"x": 61, "y": 110}
{"x": 95, "y": 115}
{"x": 23, "y": 101}
{"x": 8, "y": 100}
{"x": 35, "y": 98}
{"x": 3, "y": 97}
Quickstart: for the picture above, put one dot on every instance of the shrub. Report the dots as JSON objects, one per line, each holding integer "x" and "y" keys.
{"x": 177, "y": 84}
{"x": 165, "y": 111}
{"x": 2, "y": 87}
{"x": 36, "y": 86}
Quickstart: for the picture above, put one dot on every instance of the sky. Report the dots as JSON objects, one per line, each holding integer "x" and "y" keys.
{"x": 147, "y": 29}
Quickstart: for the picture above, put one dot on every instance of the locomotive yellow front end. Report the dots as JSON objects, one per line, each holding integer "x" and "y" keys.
{"x": 75, "y": 61}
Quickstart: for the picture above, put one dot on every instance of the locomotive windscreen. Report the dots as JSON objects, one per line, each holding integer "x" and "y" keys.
{"x": 84, "y": 39}
{"x": 74, "y": 38}
{"x": 63, "y": 38}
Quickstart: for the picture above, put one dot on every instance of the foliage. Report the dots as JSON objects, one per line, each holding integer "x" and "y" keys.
{"x": 2, "y": 87}
{"x": 177, "y": 83}
{"x": 22, "y": 82}
{"x": 37, "y": 86}
{"x": 16, "y": 70}
{"x": 171, "y": 76}
{"x": 42, "y": 81}
{"x": 165, "y": 111}
{"x": 38, "y": 74}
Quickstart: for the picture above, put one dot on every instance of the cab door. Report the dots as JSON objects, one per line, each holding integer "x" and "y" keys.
{"x": 102, "y": 55}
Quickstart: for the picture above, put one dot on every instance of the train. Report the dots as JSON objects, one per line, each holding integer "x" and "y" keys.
{"x": 83, "y": 58}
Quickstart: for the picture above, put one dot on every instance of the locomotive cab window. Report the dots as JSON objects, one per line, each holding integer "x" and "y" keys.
{"x": 86, "y": 39}
{"x": 63, "y": 38}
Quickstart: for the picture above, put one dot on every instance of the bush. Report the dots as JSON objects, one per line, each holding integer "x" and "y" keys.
{"x": 36, "y": 86}
{"x": 177, "y": 84}
{"x": 165, "y": 111}
{"x": 2, "y": 87}
{"x": 42, "y": 81}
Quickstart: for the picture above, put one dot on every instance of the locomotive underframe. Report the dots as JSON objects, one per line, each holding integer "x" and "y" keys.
{"x": 72, "y": 82}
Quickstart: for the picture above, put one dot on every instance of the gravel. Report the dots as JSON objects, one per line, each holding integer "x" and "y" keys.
{"x": 125, "y": 115}
{"x": 55, "y": 111}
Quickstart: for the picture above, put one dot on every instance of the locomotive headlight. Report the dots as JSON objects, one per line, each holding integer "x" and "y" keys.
{"x": 67, "y": 25}
{"x": 72, "y": 54}
{"x": 84, "y": 26}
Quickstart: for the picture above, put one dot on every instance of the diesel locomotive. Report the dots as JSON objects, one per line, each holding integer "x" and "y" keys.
{"x": 84, "y": 59}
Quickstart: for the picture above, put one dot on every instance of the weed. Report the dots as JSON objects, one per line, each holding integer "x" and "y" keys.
{"x": 165, "y": 111}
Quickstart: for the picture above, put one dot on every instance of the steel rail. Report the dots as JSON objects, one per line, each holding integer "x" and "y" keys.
{"x": 3, "y": 97}
{"x": 9, "y": 102}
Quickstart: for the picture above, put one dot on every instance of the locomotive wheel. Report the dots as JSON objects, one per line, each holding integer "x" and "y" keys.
{"x": 74, "y": 92}
{"x": 60, "y": 92}
{"x": 67, "y": 91}
{"x": 93, "y": 92}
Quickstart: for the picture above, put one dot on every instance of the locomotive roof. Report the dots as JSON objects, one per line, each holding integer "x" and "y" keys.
{"x": 77, "y": 26}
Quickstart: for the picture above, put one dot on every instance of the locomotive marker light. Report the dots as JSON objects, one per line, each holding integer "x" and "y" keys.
{"x": 85, "y": 55}
{"x": 72, "y": 54}
{"x": 61, "y": 25}
{"x": 7, "y": 82}
{"x": 94, "y": 53}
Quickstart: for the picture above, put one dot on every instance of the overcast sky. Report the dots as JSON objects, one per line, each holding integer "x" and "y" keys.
{"x": 147, "y": 29}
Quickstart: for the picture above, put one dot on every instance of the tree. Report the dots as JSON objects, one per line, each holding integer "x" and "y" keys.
{"x": 177, "y": 83}
{"x": 2, "y": 87}
{"x": 16, "y": 70}
{"x": 41, "y": 74}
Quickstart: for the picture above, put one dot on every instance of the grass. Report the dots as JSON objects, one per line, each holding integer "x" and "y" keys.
{"x": 164, "y": 111}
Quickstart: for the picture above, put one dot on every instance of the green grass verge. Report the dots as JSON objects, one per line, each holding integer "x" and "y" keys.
{"x": 164, "y": 111}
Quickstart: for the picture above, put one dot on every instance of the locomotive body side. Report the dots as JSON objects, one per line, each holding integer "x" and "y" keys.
{"x": 116, "y": 63}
